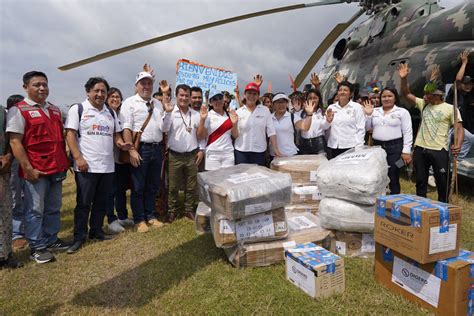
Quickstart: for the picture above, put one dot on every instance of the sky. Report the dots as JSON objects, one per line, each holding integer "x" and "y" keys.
{"x": 45, "y": 34}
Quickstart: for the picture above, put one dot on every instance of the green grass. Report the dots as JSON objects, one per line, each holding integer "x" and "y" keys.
{"x": 174, "y": 271}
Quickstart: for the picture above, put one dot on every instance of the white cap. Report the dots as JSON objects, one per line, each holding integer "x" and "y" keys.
{"x": 280, "y": 96}
{"x": 142, "y": 75}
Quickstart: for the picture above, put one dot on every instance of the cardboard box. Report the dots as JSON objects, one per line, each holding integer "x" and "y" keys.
{"x": 244, "y": 190}
{"x": 202, "y": 221}
{"x": 445, "y": 287}
{"x": 318, "y": 272}
{"x": 305, "y": 194}
{"x": 273, "y": 252}
{"x": 302, "y": 168}
{"x": 419, "y": 228}
{"x": 302, "y": 208}
{"x": 266, "y": 226}
{"x": 355, "y": 244}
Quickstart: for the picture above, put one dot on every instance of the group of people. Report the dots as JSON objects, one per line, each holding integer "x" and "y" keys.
{"x": 115, "y": 143}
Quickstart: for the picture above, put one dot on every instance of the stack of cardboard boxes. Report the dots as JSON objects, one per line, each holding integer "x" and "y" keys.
{"x": 417, "y": 253}
{"x": 302, "y": 169}
{"x": 247, "y": 217}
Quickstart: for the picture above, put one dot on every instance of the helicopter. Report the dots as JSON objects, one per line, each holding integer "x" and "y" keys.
{"x": 418, "y": 32}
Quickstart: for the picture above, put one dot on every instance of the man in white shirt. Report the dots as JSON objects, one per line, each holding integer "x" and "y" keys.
{"x": 91, "y": 130}
{"x": 148, "y": 158}
{"x": 185, "y": 154}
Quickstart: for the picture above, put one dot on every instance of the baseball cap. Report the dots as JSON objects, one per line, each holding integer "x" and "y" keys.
{"x": 214, "y": 92}
{"x": 252, "y": 86}
{"x": 466, "y": 79}
{"x": 280, "y": 96}
{"x": 143, "y": 74}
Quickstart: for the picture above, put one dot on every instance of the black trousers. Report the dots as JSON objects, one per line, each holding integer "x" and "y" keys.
{"x": 334, "y": 152}
{"x": 312, "y": 146}
{"x": 393, "y": 148}
{"x": 439, "y": 159}
{"x": 93, "y": 191}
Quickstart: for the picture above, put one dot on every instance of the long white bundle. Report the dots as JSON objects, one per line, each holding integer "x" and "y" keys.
{"x": 357, "y": 175}
{"x": 346, "y": 216}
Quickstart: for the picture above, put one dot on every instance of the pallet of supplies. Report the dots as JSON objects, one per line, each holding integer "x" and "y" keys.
{"x": 266, "y": 226}
{"x": 354, "y": 244}
{"x": 358, "y": 175}
{"x": 318, "y": 272}
{"x": 202, "y": 219}
{"x": 419, "y": 228}
{"x": 445, "y": 287}
{"x": 244, "y": 190}
{"x": 302, "y": 168}
{"x": 346, "y": 216}
{"x": 302, "y": 228}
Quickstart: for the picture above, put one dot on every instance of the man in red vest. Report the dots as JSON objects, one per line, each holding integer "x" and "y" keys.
{"x": 36, "y": 138}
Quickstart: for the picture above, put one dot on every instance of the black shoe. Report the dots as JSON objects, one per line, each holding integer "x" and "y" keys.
{"x": 10, "y": 263}
{"x": 99, "y": 237}
{"x": 59, "y": 245}
{"x": 75, "y": 247}
{"x": 41, "y": 255}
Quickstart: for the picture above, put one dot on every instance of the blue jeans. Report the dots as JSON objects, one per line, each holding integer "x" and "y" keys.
{"x": 466, "y": 144}
{"x": 146, "y": 183}
{"x": 18, "y": 211}
{"x": 118, "y": 199}
{"x": 93, "y": 190}
{"x": 42, "y": 211}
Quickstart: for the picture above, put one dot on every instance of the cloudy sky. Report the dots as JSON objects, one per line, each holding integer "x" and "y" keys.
{"x": 45, "y": 34}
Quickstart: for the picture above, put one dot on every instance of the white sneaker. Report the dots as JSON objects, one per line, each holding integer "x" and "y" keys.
{"x": 115, "y": 227}
{"x": 432, "y": 181}
{"x": 126, "y": 222}
{"x": 466, "y": 164}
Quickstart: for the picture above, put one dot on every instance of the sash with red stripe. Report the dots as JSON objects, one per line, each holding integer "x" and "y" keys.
{"x": 227, "y": 125}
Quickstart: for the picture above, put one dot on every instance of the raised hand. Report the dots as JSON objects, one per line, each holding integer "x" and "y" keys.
{"x": 310, "y": 107}
{"x": 338, "y": 77}
{"x": 148, "y": 69}
{"x": 403, "y": 70}
{"x": 368, "y": 108}
{"x": 435, "y": 72}
{"x": 329, "y": 115}
{"x": 203, "y": 112}
{"x": 236, "y": 90}
{"x": 165, "y": 88}
{"x": 234, "y": 118}
{"x": 258, "y": 79}
{"x": 464, "y": 56}
{"x": 315, "y": 80}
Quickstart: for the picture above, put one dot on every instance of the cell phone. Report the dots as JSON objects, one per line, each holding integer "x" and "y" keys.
{"x": 400, "y": 163}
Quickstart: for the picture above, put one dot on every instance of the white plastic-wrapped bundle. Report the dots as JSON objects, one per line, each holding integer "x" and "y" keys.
{"x": 244, "y": 190}
{"x": 346, "y": 216}
{"x": 358, "y": 175}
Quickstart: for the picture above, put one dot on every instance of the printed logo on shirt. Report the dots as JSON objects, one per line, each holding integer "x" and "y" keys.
{"x": 35, "y": 114}
{"x": 101, "y": 129}
{"x": 86, "y": 117}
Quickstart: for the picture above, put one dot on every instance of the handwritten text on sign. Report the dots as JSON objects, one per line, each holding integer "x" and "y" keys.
{"x": 205, "y": 77}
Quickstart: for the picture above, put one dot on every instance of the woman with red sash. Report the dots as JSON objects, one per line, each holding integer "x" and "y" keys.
{"x": 216, "y": 125}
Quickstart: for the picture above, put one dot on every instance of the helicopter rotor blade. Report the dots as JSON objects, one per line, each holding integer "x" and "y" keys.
{"x": 195, "y": 29}
{"x": 323, "y": 47}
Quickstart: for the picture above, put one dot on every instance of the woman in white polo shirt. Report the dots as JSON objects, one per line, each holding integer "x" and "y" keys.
{"x": 312, "y": 141}
{"x": 216, "y": 126}
{"x": 393, "y": 131}
{"x": 285, "y": 128}
{"x": 254, "y": 126}
{"x": 346, "y": 119}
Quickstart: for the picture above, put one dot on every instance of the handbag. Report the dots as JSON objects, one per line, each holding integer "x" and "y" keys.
{"x": 124, "y": 156}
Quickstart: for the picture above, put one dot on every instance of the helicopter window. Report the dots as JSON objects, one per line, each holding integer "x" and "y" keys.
{"x": 340, "y": 49}
{"x": 421, "y": 12}
{"x": 377, "y": 26}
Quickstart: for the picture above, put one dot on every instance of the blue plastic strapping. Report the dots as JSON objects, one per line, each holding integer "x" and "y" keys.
{"x": 443, "y": 218}
{"x": 387, "y": 254}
